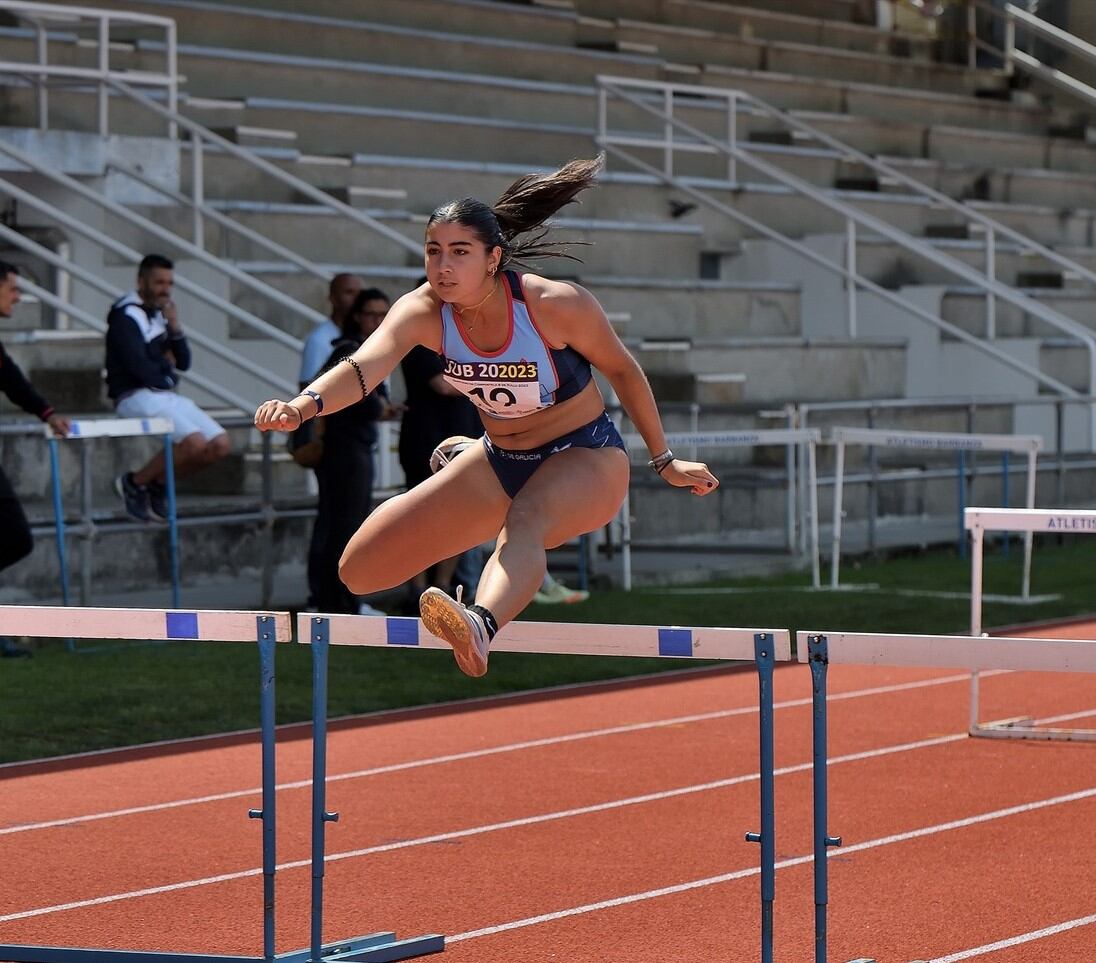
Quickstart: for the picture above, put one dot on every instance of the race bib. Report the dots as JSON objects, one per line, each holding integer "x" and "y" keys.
{"x": 504, "y": 389}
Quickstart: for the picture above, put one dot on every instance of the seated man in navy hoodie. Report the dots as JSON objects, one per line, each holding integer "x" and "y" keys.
{"x": 146, "y": 348}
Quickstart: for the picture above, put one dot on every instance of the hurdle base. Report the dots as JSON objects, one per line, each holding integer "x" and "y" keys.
{"x": 1023, "y": 727}
{"x": 374, "y": 948}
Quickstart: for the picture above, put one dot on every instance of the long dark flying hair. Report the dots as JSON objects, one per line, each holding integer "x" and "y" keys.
{"x": 522, "y": 209}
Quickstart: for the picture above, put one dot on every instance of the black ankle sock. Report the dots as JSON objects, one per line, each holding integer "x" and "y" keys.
{"x": 488, "y": 619}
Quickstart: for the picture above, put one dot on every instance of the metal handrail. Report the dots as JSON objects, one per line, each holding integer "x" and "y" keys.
{"x": 853, "y": 215}
{"x": 1012, "y": 58}
{"x": 186, "y": 247}
{"x": 223, "y": 220}
{"x": 117, "y": 247}
{"x": 200, "y": 135}
{"x": 38, "y": 13}
{"x": 213, "y": 346}
{"x": 206, "y": 384}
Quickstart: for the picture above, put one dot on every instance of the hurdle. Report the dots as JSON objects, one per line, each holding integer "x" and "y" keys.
{"x": 1029, "y": 445}
{"x": 763, "y": 647}
{"x": 82, "y": 430}
{"x": 979, "y": 521}
{"x": 822, "y": 649}
{"x": 266, "y": 629}
{"x": 810, "y": 438}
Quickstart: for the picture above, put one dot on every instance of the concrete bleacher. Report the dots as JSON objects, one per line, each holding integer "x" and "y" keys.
{"x": 396, "y": 107}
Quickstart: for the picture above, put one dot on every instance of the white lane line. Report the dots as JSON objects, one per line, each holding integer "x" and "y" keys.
{"x": 480, "y": 830}
{"x": 1016, "y": 940}
{"x": 782, "y": 864}
{"x": 481, "y": 753}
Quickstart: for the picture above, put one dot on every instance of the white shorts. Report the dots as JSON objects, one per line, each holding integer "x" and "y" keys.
{"x": 189, "y": 419}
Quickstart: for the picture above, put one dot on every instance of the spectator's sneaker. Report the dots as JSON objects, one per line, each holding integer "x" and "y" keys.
{"x": 9, "y": 650}
{"x": 448, "y": 450}
{"x": 448, "y": 619}
{"x": 364, "y": 608}
{"x": 157, "y": 501}
{"x": 134, "y": 497}
{"x": 556, "y": 593}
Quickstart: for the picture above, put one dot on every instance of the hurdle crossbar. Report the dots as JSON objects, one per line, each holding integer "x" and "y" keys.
{"x": 840, "y": 438}
{"x": 266, "y": 629}
{"x": 763, "y": 647}
{"x": 978, "y": 521}
{"x": 808, "y": 438}
{"x": 821, "y": 649}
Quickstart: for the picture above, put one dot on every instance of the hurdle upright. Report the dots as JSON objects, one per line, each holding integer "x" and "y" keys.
{"x": 822, "y": 649}
{"x": 264, "y": 628}
{"x": 763, "y": 647}
{"x": 1029, "y": 521}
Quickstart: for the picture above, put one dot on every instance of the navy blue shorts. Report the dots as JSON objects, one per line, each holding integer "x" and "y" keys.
{"x": 515, "y": 468}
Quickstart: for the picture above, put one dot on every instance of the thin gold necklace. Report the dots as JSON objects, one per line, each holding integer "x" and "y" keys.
{"x": 466, "y": 312}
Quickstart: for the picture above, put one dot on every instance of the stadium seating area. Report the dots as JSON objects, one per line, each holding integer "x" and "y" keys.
{"x": 402, "y": 105}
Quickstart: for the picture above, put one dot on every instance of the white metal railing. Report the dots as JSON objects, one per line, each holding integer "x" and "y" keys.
{"x": 181, "y": 245}
{"x": 97, "y": 324}
{"x": 1012, "y": 57}
{"x": 657, "y": 99}
{"x": 40, "y": 72}
{"x": 209, "y": 344}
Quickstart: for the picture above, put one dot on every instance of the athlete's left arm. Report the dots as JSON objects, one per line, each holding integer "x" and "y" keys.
{"x": 574, "y": 317}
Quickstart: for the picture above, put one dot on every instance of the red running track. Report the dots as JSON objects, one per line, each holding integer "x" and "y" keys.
{"x": 602, "y": 823}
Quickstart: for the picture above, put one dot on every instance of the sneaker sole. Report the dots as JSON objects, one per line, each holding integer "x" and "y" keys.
{"x": 435, "y": 610}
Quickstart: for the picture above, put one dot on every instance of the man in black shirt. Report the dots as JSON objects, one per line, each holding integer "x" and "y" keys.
{"x": 16, "y": 541}
{"x": 146, "y": 348}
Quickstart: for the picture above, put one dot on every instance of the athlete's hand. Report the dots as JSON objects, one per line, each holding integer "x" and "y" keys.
{"x": 278, "y": 416}
{"x": 690, "y": 474}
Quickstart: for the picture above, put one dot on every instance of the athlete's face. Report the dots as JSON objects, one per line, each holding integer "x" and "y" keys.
{"x": 458, "y": 264}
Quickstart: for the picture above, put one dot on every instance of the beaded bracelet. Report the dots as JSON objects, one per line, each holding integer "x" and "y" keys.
{"x": 659, "y": 462}
{"x": 361, "y": 378}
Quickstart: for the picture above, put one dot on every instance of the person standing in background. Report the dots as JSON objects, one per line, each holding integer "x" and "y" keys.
{"x": 346, "y": 468}
{"x": 16, "y": 540}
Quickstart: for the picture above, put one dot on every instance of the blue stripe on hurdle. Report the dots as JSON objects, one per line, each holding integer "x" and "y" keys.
{"x": 675, "y": 642}
{"x": 74, "y": 430}
{"x": 182, "y": 625}
{"x": 145, "y": 426}
{"x": 402, "y": 631}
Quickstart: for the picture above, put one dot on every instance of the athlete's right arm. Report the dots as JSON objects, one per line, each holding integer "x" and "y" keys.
{"x": 412, "y": 320}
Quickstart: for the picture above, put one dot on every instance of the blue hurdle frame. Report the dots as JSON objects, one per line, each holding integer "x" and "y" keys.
{"x": 382, "y": 947}
{"x": 265, "y": 637}
{"x": 818, "y": 651}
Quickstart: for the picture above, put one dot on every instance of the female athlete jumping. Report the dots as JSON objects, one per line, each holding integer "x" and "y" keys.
{"x": 521, "y": 347}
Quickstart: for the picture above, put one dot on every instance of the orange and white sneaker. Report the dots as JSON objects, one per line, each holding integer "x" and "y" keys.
{"x": 449, "y": 619}
{"x": 448, "y": 450}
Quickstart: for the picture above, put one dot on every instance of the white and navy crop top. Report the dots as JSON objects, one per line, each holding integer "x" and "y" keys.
{"x": 525, "y": 375}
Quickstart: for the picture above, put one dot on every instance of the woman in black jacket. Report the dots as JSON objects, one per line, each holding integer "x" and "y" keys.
{"x": 345, "y": 471}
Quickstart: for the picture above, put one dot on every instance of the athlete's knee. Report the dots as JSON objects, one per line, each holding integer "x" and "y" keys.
{"x": 526, "y": 518}
{"x": 191, "y": 448}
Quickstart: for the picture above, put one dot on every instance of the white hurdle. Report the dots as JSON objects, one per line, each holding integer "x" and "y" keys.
{"x": 978, "y": 521}
{"x": 808, "y": 438}
{"x": 1030, "y": 445}
{"x": 761, "y": 647}
{"x": 822, "y": 649}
